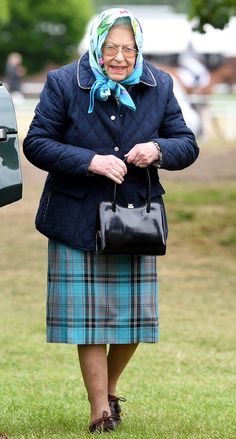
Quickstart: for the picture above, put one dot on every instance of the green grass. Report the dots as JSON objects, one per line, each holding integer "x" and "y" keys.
{"x": 183, "y": 387}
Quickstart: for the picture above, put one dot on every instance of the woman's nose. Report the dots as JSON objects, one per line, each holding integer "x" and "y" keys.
{"x": 119, "y": 56}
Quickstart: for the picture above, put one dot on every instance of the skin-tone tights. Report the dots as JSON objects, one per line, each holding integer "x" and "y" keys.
{"x": 101, "y": 372}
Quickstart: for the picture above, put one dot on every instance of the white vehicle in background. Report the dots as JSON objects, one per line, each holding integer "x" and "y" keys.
{"x": 10, "y": 167}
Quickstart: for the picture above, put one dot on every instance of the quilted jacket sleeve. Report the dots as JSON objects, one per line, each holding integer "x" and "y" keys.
{"x": 42, "y": 145}
{"x": 177, "y": 142}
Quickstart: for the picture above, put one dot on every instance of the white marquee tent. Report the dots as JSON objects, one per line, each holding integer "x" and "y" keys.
{"x": 166, "y": 32}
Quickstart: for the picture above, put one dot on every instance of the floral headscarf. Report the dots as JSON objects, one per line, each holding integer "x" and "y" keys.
{"x": 103, "y": 86}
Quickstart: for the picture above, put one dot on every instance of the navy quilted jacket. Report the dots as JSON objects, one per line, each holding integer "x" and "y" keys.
{"x": 63, "y": 138}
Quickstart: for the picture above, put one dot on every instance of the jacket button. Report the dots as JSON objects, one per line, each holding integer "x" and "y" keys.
{"x": 113, "y": 117}
{"x": 116, "y": 148}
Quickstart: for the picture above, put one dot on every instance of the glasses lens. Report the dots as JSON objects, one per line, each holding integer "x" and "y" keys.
{"x": 129, "y": 52}
{"x": 110, "y": 50}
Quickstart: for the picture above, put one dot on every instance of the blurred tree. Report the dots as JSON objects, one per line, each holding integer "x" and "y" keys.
{"x": 45, "y": 31}
{"x": 215, "y": 12}
{"x": 4, "y": 11}
{"x": 179, "y": 6}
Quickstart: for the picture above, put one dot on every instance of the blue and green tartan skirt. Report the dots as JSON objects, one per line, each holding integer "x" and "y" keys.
{"x": 100, "y": 299}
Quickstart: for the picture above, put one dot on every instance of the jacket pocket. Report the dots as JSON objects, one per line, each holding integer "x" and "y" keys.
{"x": 61, "y": 206}
{"x": 48, "y": 196}
{"x": 77, "y": 191}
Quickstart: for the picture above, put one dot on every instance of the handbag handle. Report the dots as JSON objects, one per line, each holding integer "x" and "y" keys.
{"x": 148, "y": 192}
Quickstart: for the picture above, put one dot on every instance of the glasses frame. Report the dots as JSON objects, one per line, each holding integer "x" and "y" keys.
{"x": 132, "y": 52}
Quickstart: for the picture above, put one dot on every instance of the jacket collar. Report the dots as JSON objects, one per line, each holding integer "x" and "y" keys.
{"x": 86, "y": 78}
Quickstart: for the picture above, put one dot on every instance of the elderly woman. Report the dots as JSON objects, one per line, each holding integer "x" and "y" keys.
{"x": 92, "y": 114}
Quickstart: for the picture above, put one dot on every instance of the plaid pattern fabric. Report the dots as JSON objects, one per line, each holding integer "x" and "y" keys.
{"x": 100, "y": 299}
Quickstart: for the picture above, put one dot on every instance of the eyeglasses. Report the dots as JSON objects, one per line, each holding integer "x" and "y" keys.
{"x": 128, "y": 52}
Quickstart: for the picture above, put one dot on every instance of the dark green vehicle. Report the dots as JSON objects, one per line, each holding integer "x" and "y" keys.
{"x": 10, "y": 169}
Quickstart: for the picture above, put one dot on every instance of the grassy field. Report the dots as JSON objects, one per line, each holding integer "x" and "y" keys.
{"x": 183, "y": 387}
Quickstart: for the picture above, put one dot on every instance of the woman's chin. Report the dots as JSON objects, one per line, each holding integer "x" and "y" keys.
{"x": 116, "y": 77}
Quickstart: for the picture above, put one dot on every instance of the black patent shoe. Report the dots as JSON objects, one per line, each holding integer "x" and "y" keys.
{"x": 104, "y": 424}
{"x": 115, "y": 407}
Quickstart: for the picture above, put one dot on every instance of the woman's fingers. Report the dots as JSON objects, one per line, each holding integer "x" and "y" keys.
{"x": 142, "y": 154}
{"x": 116, "y": 179}
{"x": 110, "y": 166}
{"x": 117, "y": 172}
{"x": 116, "y": 169}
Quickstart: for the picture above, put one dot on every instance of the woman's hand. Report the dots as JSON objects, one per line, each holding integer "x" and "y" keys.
{"x": 142, "y": 154}
{"x": 110, "y": 166}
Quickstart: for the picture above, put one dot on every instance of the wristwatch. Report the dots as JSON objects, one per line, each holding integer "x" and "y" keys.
{"x": 159, "y": 161}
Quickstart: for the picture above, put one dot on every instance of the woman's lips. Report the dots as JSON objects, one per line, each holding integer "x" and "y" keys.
{"x": 117, "y": 68}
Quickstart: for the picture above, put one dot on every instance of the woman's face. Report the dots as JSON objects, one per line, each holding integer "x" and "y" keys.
{"x": 118, "y": 67}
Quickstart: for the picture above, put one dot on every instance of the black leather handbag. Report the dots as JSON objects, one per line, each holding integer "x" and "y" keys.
{"x": 132, "y": 230}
